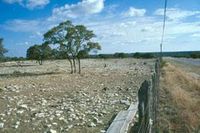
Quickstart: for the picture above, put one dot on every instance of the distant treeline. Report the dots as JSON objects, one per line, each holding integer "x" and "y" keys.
{"x": 191, "y": 54}
{"x": 149, "y": 55}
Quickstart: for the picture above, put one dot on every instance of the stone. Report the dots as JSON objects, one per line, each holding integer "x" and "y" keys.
{"x": 33, "y": 109}
{"x": 61, "y": 118}
{"x": 125, "y": 102}
{"x": 114, "y": 102}
{"x": 1, "y": 125}
{"x": 58, "y": 115}
{"x": 44, "y": 102}
{"x": 96, "y": 120}
{"x": 70, "y": 126}
{"x": 55, "y": 123}
{"x": 71, "y": 109}
{"x": 40, "y": 115}
{"x": 20, "y": 111}
{"x": 116, "y": 94}
{"x": 24, "y": 106}
{"x": 70, "y": 119}
{"x": 52, "y": 131}
{"x": 102, "y": 131}
{"x": 48, "y": 125}
{"x": 72, "y": 116}
{"x": 16, "y": 125}
{"x": 104, "y": 112}
{"x": 92, "y": 124}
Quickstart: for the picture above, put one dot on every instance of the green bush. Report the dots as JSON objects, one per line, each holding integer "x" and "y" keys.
{"x": 195, "y": 55}
{"x": 120, "y": 55}
{"x": 143, "y": 55}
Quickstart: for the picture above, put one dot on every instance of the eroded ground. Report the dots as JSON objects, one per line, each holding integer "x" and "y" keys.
{"x": 47, "y": 98}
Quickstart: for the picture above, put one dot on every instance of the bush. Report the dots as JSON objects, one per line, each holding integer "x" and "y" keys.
{"x": 195, "y": 55}
{"x": 16, "y": 73}
{"x": 120, "y": 55}
{"x": 143, "y": 55}
{"x": 163, "y": 63}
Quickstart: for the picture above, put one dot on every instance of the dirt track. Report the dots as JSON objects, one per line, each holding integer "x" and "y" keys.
{"x": 46, "y": 98}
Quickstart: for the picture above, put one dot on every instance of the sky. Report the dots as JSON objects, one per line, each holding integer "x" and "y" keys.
{"x": 120, "y": 25}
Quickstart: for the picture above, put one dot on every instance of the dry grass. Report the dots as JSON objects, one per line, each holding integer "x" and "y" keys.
{"x": 185, "y": 94}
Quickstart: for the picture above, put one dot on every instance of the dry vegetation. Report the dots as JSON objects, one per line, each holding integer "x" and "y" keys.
{"x": 180, "y": 100}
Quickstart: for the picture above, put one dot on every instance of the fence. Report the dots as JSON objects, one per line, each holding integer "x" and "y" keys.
{"x": 147, "y": 108}
{"x": 148, "y": 103}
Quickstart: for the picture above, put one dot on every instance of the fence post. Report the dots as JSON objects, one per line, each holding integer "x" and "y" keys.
{"x": 148, "y": 96}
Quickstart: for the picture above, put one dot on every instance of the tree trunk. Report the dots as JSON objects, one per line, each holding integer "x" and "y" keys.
{"x": 70, "y": 65}
{"x": 74, "y": 64}
{"x": 79, "y": 65}
{"x": 40, "y": 62}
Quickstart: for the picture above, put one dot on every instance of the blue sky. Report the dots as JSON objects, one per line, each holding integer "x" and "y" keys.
{"x": 120, "y": 25}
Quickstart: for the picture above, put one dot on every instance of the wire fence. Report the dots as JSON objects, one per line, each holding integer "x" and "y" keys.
{"x": 148, "y": 96}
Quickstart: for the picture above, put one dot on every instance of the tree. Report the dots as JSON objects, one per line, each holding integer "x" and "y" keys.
{"x": 120, "y": 55}
{"x": 74, "y": 42}
{"x": 39, "y": 52}
{"x": 57, "y": 35}
{"x": 2, "y": 49}
{"x": 80, "y": 42}
{"x": 85, "y": 52}
{"x": 143, "y": 55}
{"x": 195, "y": 55}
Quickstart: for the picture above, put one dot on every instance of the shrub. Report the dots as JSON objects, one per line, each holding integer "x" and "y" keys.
{"x": 143, "y": 55}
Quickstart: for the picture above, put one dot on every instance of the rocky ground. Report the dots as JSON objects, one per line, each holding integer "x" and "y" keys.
{"x": 47, "y": 98}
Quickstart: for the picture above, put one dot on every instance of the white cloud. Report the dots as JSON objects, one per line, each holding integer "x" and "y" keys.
{"x": 12, "y": 1}
{"x": 136, "y": 32}
{"x": 197, "y": 35}
{"x": 36, "y": 3}
{"x": 134, "y": 12}
{"x": 176, "y": 14}
{"x": 30, "y": 4}
{"x": 83, "y": 8}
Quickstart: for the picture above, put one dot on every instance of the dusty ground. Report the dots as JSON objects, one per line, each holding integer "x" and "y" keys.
{"x": 180, "y": 97}
{"x": 47, "y": 98}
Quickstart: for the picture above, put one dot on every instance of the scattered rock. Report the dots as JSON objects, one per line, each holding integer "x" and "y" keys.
{"x": 24, "y": 106}
{"x": 52, "y": 131}
{"x": 20, "y": 111}
{"x": 70, "y": 126}
{"x": 102, "y": 131}
{"x": 125, "y": 102}
{"x": 92, "y": 124}
{"x": 1, "y": 125}
{"x": 40, "y": 115}
{"x": 16, "y": 125}
{"x": 63, "y": 109}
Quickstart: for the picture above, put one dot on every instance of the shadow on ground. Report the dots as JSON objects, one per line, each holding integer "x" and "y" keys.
{"x": 19, "y": 74}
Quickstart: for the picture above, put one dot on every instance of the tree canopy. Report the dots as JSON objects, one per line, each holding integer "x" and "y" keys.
{"x": 39, "y": 52}
{"x": 75, "y": 41}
